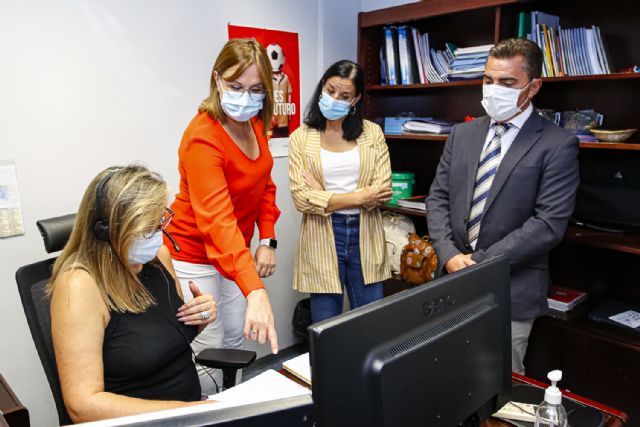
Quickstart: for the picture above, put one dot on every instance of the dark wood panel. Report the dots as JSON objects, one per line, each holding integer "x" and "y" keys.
{"x": 424, "y": 9}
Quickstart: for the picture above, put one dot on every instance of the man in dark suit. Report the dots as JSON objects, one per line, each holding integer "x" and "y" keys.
{"x": 506, "y": 185}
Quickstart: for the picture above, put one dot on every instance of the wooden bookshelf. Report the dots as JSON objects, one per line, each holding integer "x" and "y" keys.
{"x": 443, "y": 138}
{"x": 620, "y": 242}
{"x": 595, "y": 358}
{"x": 478, "y": 82}
{"x": 418, "y": 137}
{"x": 405, "y": 211}
{"x": 610, "y": 146}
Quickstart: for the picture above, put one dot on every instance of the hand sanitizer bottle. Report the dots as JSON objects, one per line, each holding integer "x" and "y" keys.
{"x": 551, "y": 413}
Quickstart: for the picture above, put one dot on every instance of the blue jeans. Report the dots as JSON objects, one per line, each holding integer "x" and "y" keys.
{"x": 346, "y": 229}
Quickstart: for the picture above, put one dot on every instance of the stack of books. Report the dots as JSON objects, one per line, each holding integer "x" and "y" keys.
{"x": 468, "y": 62}
{"x": 406, "y": 57}
{"x": 564, "y": 299}
{"x": 427, "y": 126}
{"x": 415, "y": 202}
{"x": 568, "y": 51}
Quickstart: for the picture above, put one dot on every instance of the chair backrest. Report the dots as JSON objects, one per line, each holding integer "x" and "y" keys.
{"x": 32, "y": 282}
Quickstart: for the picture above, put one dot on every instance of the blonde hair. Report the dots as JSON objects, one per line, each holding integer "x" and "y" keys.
{"x": 240, "y": 53}
{"x": 133, "y": 199}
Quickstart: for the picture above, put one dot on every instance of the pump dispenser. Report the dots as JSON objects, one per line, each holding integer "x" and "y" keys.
{"x": 551, "y": 413}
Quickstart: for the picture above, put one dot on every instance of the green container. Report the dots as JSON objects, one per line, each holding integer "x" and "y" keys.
{"x": 402, "y": 186}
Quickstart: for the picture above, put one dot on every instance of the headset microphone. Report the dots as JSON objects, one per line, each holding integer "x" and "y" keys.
{"x": 175, "y": 245}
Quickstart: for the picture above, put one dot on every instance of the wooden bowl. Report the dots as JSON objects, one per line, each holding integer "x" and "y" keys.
{"x": 613, "y": 135}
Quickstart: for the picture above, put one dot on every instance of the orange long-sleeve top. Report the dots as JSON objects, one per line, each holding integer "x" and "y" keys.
{"x": 223, "y": 194}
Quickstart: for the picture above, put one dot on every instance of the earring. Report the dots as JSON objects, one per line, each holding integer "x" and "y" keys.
{"x": 352, "y": 110}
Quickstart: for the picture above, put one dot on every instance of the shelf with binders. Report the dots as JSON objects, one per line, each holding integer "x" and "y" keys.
{"x": 478, "y": 82}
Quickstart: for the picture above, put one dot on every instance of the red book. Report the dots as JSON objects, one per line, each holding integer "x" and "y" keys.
{"x": 563, "y": 299}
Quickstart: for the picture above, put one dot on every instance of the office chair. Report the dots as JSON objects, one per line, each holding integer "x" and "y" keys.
{"x": 32, "y": 281}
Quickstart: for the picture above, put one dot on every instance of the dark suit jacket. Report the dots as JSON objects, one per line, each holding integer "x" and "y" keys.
{"x": 526, "y": 213}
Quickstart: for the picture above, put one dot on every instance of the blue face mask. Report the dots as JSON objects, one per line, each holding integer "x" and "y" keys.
{"x": 144, "y": 250}
{"x": 241, "y": 108}
{"x": 333, "y": 109}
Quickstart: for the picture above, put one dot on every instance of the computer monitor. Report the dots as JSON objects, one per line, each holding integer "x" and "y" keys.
{"x": 428, "y": 356}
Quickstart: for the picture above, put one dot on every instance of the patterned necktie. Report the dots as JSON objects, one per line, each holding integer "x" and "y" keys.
{"x": 487, "y": 168}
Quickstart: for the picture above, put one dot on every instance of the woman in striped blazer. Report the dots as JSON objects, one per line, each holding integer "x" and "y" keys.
{"x": 340, "y": 174}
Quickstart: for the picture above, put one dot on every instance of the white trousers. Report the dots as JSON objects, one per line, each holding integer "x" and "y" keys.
{"x": 520, "y": 331}
{"x": 226, "y": 330}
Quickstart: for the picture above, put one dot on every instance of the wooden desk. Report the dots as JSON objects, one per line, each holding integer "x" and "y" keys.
{"x": 613, "y": 417}
{"x": 14, "y": 414}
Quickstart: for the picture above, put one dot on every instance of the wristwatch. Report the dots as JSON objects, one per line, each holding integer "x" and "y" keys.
{"x": 272, "y": 243}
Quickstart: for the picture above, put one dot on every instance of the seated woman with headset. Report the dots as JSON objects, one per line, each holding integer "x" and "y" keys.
{"x": 121, "y": 331}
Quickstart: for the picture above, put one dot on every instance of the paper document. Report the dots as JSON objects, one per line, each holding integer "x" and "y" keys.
{"x": 269, "y": 385}
{"x": 300, "y": 367}
{"x": 628, "y": 318}
{"x": 11, "y": 223}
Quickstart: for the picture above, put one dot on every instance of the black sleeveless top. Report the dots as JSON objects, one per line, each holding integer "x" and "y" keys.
{"x": 147, "y": 355}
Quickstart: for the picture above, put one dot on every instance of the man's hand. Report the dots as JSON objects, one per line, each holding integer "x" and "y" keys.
{"x": 259, "y": 324}
{"x": 265, "y": 259}
{"x": 459, "y": 262}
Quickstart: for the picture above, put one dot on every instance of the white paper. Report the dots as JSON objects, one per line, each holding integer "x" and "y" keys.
{"x": 11, "y": 223}
{"x": 269, "y": 385}
{"x": 628, "y": 318}
{"x": 299, "y": 366}
{"x": 279, "y": 147}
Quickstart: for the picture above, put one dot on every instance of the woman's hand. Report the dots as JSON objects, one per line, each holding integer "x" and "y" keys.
{"x": 259, "y": 324}
{"x": 201, "y": 310}
{"x": 311, "y": 181}
{"x": 373, "y": 197}
{"x": 265, "y": 259}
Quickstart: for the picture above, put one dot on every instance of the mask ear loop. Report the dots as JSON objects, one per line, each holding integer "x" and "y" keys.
{"x": 527, "y": 99}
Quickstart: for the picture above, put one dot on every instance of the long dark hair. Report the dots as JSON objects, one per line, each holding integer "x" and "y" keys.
{"x": 352, "y": 124}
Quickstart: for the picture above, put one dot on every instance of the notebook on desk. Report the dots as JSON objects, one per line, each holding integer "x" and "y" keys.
{"x": 299, "y": 366}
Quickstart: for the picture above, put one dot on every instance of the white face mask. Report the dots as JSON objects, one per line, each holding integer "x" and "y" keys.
{"x": 501, "y": 103}
{"x": 144, "y": 250}
{"x": 241, "y": 108}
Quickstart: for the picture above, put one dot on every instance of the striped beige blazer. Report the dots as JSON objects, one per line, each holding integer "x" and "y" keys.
{"x": 316, "y": 265}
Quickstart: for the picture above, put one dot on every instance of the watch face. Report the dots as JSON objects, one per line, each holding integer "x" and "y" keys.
{"x": 273, "y": 243}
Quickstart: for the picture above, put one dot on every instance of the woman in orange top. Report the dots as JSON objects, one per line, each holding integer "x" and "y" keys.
{"x": 225, "y": 190}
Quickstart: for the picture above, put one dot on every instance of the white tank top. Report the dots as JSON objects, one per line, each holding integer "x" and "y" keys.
{"x": 341, "y": 171}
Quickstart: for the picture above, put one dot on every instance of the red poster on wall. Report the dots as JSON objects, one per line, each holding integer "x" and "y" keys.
{"x": 282, "y": 48}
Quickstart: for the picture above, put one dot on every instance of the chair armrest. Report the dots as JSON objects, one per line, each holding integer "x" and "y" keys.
{"x": 221, "y": 358}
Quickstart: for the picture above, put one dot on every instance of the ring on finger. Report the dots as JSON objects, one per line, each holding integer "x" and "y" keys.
{"x": 204, "y": 315}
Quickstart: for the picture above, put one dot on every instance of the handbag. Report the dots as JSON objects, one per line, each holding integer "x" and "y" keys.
{"x": 396, "y": 230}
{"x": 418, "y": 262}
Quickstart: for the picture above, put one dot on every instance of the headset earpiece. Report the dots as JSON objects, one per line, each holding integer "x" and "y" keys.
{"x": 101, "y": 226}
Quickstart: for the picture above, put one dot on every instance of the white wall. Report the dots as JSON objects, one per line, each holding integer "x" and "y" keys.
{"x": 85, "y": 84}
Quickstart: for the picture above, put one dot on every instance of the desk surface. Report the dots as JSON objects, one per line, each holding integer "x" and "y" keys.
{"x": 613, "y": 417}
